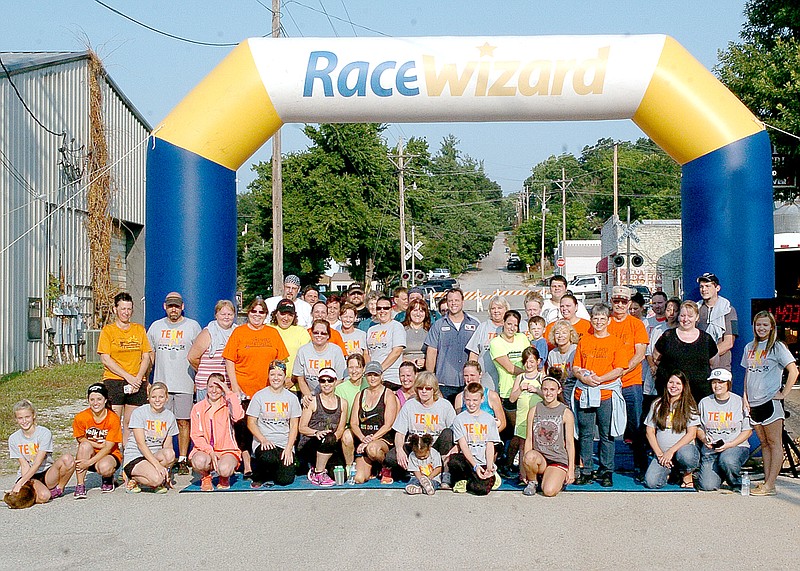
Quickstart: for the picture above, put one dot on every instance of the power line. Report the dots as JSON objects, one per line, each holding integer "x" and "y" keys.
{"x": 167, "y": 34}
{"x": 318, "y": 11}
{"x": 347, "y": 13}
{"x": 324, "y": 11}
{"x": 25, "y": 105}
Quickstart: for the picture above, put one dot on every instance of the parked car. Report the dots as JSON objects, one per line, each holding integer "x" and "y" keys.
{"x": 644, "y": 290}
{"x": 441, "y": 284}
{"x": 438, "y": 274}
{"x": 589, "y": 285}
{"x": 515, "y": 265}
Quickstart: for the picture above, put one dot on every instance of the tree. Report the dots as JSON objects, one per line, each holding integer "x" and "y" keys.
{"x": 764, "y": 72}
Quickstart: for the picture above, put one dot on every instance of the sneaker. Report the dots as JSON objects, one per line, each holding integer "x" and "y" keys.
{"x": 498, "y": 481}
{"x": 183, "y": 469}
{"x": 56, "y": 493}
{"x": 80, "y": 492}
{"x": 584, "y": 479}
{"x": 160, "y": 490}
{"x": 446, "y": 481}
{"x": 132, "y": 487}
{"x": 224, "y": 483}
{"x": 326, "y": 481}
{"x": 530, "y": 489}
{"x": 606, "y": 480}
{"x": 427, "y": 486}
{"x": 413, "y": 489}
{"x": 206, "y": 485}
{"x": 107, "y": 486}
{"x": 310, "y": 474}
{"x": 120, "y": 480}
{"x": 460, "y": 487}
{"x": 386, "y": 476}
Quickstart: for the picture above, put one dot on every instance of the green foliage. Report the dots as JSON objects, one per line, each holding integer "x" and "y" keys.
{"x": 764, "y": 72}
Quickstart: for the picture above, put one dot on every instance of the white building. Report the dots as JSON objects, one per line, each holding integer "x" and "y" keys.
{"x": 45, "y": 144}
{"x": 659, "y": 249}
{"x": 580, "y": 257}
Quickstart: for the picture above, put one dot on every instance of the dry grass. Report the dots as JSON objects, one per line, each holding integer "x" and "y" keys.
{"x": 56, "y": 392}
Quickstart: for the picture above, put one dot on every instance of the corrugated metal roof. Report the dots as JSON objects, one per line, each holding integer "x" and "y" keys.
{"x": 21, "y": 62}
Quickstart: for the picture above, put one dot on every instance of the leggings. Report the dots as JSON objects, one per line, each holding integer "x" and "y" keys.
{"x": 268, "y": 466}
{"x": 460, "y": 469}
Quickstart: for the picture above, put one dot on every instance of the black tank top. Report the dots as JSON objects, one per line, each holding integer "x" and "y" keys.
{"x": 371, "y": 421}
{"x": 324, "y": 418}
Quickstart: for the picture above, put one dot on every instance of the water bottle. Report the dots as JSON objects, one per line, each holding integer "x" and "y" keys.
{"x": 351, "y": 480}
{"x": 745, "y": 484}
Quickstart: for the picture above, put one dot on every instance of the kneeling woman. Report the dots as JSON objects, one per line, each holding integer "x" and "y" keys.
{"x": 97, "y": 430}
{"x": 549, "y": 457}
{"x": 321, "y": 427}
{"x": 214, "y": 441}
{"x": 374, "y": 411}
{"x": 149, "y": 453}
{"x": 671, "y": 430}
{"x": 273, "y": 417}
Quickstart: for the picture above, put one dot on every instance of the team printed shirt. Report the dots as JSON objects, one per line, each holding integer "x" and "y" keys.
{"x": 667, "y": 438}
{"x": 21, "y": 446}
{"x": 381, "y": 339}
{"x": 600, "y": 355}
{"x": 478, "y": 429}
{"x": 415, "y": 418}
{"x": 354, "y": 342}
{"x": 631, "y": 331}
{"x": 426, "y": 466}
{"x": 252, "y": 350}
{"x": 85, "y": 426}
{"x": 764, "y": 370}
{"x": 308, "y": 363}
{"x": 724, "y": 420}
{"x": 171, "y": 343}
{"x": 274, "y": 411}
{"x": 157, "y": 426}
{"x": 124, "y": 346}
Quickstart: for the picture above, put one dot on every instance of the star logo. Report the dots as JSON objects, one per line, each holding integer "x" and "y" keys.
{"x": 487, "y": 49}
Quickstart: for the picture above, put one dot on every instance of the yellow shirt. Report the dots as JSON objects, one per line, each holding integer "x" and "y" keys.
{"x": 124, "y": 346}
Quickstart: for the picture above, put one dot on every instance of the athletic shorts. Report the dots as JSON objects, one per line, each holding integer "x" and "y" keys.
{"x": 128, "y": 469}
{"x": 556, "y": 465}
{"x": 118, "y": 397}
{"x": 93, "y": 467}
{"x": 509, "y": 406}
{"x": 181, "y": 405}
{"x": 777, "y": 413}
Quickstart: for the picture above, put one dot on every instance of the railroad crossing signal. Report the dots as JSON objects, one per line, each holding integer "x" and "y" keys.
{"x": 413, "y": 250}
{"x": 628, "y": 231}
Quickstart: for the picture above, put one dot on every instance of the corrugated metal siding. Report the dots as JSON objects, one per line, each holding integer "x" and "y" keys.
{"x": 58, "y": 245}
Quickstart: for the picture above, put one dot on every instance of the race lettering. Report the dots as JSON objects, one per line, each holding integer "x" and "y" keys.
{"x": 355, "y": 77}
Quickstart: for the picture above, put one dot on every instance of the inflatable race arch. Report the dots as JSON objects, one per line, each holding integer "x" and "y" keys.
{"x": 263, "y": 83}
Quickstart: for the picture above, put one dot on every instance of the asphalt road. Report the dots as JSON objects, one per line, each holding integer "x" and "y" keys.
{"x": 385, "y": 529}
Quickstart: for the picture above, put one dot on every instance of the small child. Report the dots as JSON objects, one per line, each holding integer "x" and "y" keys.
{"x": 536, "y": 327}
{"x": 32, "y": 446}
{"x": 425, "y": 465}
{"x": 526, "y": 392}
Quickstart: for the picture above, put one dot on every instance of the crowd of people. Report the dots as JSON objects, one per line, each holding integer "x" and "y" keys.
{"x": 383, "y": 387}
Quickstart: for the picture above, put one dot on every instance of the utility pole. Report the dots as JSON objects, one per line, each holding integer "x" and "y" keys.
{"x": 413, "y": 257}
{"x": 277, "y": 183}
{"x": 564, "y": 184}
{"x": 401, "y": 166}
{"x": 544, "y": 198}
{"x": 628, "y": 249}
{"x": 616, "y": 183}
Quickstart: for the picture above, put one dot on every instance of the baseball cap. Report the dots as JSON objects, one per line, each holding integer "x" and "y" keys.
{"x": 373, "y": 367}
{"x": 99, "y": 388}
{"x": 285, "y": 306}
{"x": 620, "y": 292}
{"x": 721, "y": 375}
{"x": 173, "y": 298}
{"x": 417, "y": 289}
{"x": 292, "y": 279}
{"x": 327, "y": 372}
{"x": 355, "y": 287}
{"x": 708, "y": 277}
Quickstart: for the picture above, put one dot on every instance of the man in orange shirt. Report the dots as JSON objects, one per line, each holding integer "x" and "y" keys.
{"x": 633, "y": 334}
{"x": 599, "y": 362}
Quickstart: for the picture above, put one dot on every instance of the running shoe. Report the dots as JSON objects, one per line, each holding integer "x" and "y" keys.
{"x": 80, "y": 492}
{"x": 107, "y": 486}
{"x": 160, "y": 490}
{"x": 498, "y": 481}
{"x": 460, "y": 487}
{"x": 183, "y": 469}
{"x": 324, "y": 480}
{"x": 386, "y": 476}
{"x": 56, "y": 493}
{"x": 206, "y": 485}
{"x": 413, "y": 489}
{"x": 427, "y": 486}
{"x": 530, "y": 489}
{"x": 224, "y": 483}
{"x": 132, "y": 487}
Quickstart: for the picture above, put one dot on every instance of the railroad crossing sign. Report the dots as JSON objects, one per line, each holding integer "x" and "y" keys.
{"x": 628, "y": 231}
{"x": 413, "y": 250}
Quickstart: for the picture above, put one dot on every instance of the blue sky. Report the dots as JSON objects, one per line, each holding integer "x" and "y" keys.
{"x": 156, "y": 72}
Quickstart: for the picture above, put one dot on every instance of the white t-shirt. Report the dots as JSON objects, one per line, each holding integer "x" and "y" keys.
{"x": 308, "y": 363}
{"x": 479, "y": 344}
{"x": 171, "y": 343}
{"x": 668, "y": 438}
{"x": 426, "y": 466}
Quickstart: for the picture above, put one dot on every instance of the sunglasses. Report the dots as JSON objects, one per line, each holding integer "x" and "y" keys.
{"x": 322, "y": 380}
{"x": 620, "y": 300}
{"x": 425, "y": 389}
{"x": 258, "y": 311}
{"x": 319, "y": 332}
{"x": 383, "y": 307}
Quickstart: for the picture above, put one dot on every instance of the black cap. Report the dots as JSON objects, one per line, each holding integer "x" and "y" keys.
{"x": 285, "y": 306}
{"x": 708, "y": 277}
{"x": 97, "y": 388}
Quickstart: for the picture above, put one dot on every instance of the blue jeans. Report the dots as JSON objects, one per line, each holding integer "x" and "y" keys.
{"x": 587, "y": 418}
{"x": 686, "y": 459}
{"x": 633, "y": 429}
{"x": 718, "y": 466}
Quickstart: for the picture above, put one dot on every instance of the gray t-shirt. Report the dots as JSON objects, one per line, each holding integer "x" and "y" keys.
{"x": 415, "y": 339}
{"x": 479, "y": 344}
{"x": 308, "y": 363}
{"x": 668, "y": 438}
{"x": 20, "y": 446}
{"x": 477, "y": 429}
{"x": 764, "y": 371}
{"x": 157, "y": 426}
{"x": 724, "y": 420}
{"x": 731, "y": 328}
{"x": 426, "y": 466}
{"x": 171, "y": 343}
{"x": 354, "y": 342}
{"x": 274, "y": 411}
{"x": 381, "y": 339}
{"x": 415, "y": 418}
